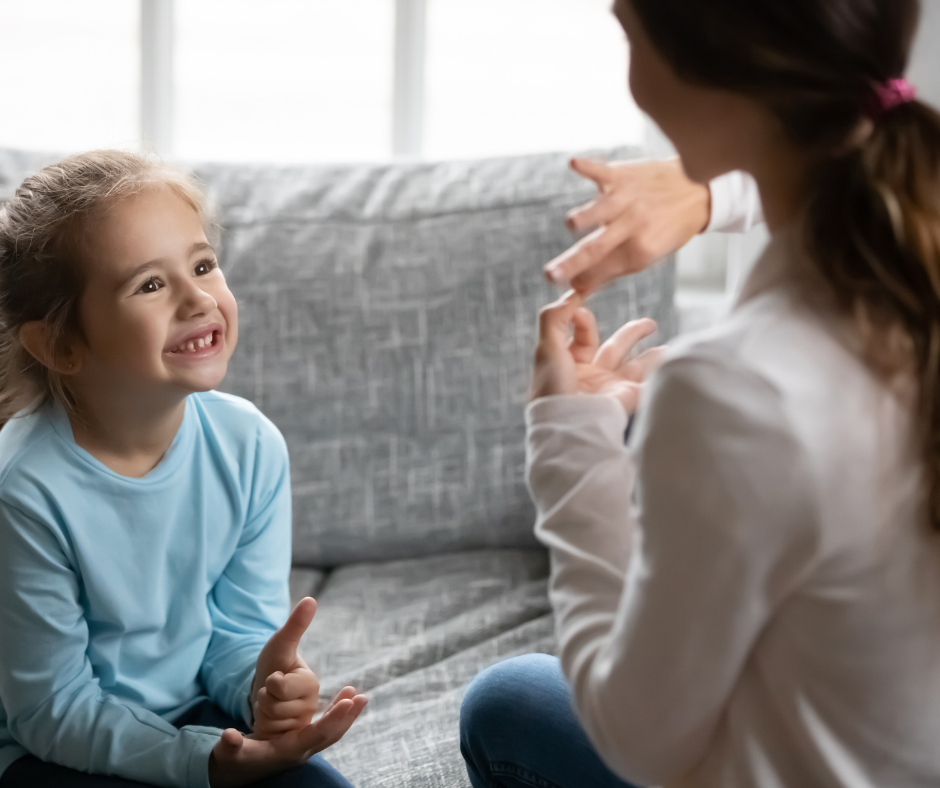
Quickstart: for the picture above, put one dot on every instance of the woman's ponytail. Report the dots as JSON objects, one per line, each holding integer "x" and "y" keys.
{"x": 873, "y": 231}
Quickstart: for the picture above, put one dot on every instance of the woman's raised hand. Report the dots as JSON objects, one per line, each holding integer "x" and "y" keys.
{"x": 570, "y": 359}
{"x": 643, "y": 211}
{"x": 239, "y": 760}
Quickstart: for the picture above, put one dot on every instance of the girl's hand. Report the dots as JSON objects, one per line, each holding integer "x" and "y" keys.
{"x": 285, "y": 692}
{"x": 643, "y": 211}
{"x": 286, "y": 702}
{"x": 241, "y": 760}
{"x": 580, "y": 363}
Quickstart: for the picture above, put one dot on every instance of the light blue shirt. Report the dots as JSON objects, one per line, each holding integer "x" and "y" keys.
{"x": 123, "y": 602}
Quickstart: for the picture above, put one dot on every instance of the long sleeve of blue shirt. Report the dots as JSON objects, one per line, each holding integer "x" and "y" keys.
{"x": 123, "y": 602}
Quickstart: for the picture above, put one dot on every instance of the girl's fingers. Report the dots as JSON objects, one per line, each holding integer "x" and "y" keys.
{"x": 342, "y": 723}
{"x": 231, "y": 743}
{"x": 613, "y": 352}
{"x": 284, "y": 710}
{"x": 331, "y": 726}
{"x": 344, "y": 694}
{"x": 292, "y": 686}
{"x": 283, "y": 643}
{"x": 585, "y": 341}
{"x": 269, "y": 727}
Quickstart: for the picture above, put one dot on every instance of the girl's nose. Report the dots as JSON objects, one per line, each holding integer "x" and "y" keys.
{"x": 196, "y": 301}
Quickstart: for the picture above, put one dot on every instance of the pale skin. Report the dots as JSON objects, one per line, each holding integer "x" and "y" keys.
{"x": 158, "y": 323}
{"x": 715, "y": 132}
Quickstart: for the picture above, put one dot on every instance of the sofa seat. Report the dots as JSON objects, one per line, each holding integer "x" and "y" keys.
{"x": 412, "y": 634}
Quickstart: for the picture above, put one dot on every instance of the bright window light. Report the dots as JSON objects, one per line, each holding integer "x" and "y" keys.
{"x": 72, "y": 72}
{"x": 283, "y": 80}
{"x": 515, "y": 76}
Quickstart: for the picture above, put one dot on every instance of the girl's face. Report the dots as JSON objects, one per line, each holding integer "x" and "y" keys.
{"x": 714, "y": 131}
{"x": 157, "y": 316}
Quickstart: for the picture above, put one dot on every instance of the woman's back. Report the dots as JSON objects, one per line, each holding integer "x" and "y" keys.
{"x": 842, "y": 684}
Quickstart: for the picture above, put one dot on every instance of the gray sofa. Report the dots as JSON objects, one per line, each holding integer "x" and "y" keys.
{"x": 388, "y": 318}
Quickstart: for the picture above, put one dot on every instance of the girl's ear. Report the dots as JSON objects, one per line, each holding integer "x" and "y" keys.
{"x": 36, "y": 337}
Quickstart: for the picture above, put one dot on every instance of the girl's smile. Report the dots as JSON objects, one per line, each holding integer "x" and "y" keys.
{"x": 198, "y": 345}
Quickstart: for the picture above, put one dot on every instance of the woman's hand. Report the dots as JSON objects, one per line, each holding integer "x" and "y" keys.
{"x": 643, "y": 211}
{"x": 241, "y": 760}
{"x": 570, "y": 359}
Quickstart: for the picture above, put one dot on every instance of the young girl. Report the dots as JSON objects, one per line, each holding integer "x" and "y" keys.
{"x": 144, "y": 518}
{"x": 768, "y": 613}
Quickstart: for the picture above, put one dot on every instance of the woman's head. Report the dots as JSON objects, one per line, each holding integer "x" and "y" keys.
{"x": 812, "y": 65}
{"x": 808, "y": 75}
{"x": 106, "y": 278}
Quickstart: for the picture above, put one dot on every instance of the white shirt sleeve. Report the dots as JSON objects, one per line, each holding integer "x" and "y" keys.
{"x": 657, "y": 608}
{"x": 736, "y": 205}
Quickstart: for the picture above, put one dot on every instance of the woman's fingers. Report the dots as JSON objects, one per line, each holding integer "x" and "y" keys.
{"x": 593, "y": 214}
{"x": 555, "y": 320}
{"x": 587, "y": 253}
{"x": 648, "y": 361}
{"x": 597, "y": 171}
{"x": 613, "y": 352}
{"x": 585, "y": 340}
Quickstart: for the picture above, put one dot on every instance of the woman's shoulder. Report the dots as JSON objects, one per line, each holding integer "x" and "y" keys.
{"x": 777, "y": 338}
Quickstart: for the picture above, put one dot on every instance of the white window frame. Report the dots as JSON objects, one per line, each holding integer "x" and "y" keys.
{"x": 156, "y": 75}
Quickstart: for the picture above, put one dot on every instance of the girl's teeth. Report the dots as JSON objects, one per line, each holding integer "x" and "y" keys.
{"x": 196, "y": 344}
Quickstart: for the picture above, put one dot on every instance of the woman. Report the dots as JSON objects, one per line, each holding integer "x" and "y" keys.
{"x": 768, "y": 613}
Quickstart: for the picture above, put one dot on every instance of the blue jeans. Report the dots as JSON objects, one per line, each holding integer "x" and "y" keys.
{"x": 30, "y": 772}
{"x": 518, "y": 730}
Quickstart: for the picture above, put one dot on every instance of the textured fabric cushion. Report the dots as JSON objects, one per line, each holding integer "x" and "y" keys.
{"x": 412, "y": 634}
{"x": 388, "y": 317}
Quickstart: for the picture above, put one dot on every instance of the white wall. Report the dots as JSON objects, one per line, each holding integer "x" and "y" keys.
{"x": 925, "y": 64}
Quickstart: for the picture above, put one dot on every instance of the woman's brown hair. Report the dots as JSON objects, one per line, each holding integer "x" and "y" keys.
{"x": 873, "y": 210}
{"x": 44, "y": 250}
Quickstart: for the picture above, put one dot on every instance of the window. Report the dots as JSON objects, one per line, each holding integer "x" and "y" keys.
{"x": 313, "y": 80}
{"x": 516, "y": 76}
{"x": 71, "y": 72}
{"x": 283, "y": 80}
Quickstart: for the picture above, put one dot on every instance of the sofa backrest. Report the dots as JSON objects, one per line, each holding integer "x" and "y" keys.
{"x": 388, "y": 315}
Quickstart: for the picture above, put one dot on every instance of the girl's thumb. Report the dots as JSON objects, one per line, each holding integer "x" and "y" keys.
{"x": 288, "y": 636}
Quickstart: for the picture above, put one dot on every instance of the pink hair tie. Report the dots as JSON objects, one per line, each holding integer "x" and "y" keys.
{"x": 888, "y": 96}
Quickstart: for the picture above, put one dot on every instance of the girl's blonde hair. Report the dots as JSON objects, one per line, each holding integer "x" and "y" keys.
{"x": 44, "y": 253}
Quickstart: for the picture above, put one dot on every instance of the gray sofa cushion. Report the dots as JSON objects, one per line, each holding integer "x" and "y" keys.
{"x": 388, "y": 319}
{"x": 412, "y": 634}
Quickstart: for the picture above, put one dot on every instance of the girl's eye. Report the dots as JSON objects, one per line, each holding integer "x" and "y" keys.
{"x": 204, "y": 267}
{"x": 150, "y": 286}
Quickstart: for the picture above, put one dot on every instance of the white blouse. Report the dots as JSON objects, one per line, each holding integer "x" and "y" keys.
{"x": 765, "y": 611}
